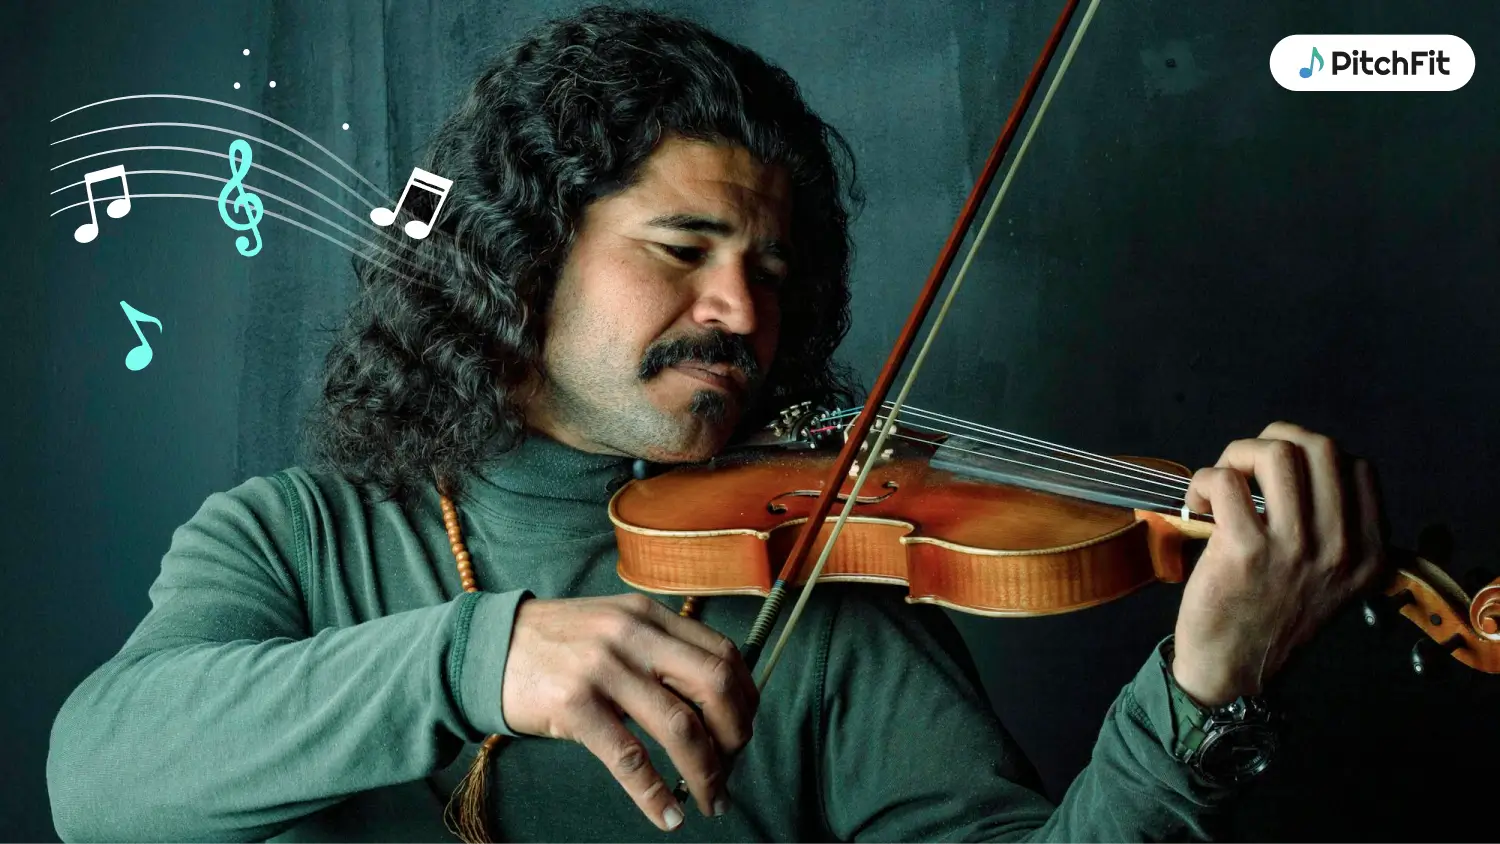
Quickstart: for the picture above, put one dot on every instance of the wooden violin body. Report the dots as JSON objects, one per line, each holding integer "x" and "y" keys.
{"x": 985, "y": 548}
{"x": 978, "y": 547}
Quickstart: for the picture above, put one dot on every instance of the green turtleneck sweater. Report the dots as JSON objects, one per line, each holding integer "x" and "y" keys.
{"x": 312, "y": 670}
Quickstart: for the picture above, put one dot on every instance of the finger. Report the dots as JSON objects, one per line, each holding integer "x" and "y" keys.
{"x": 1325, "y": 484}
{"x": 707, "y": 679}
{"x": 724, "y": 669}
{"x": 600, "y": 730}
{"x": 1225, "y": 494}
{"x": 673, "y": 723}
{"x": 1277, "y": 468}
{"x": 700, "y": 634}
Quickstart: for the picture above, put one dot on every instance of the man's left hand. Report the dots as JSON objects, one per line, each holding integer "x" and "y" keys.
{"x": 1264, "y": 585}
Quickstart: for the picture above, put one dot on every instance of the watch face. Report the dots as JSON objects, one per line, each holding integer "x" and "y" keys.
{"x": 1238, "y": 752}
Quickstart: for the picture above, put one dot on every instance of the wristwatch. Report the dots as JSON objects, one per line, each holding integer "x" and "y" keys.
{"x": 1226, "y": 745}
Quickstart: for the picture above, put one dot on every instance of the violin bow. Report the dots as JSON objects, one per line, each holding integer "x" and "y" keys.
{"x": 855, "y": 438}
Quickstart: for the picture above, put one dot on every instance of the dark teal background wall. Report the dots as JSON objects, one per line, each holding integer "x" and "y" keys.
{"x": 1189, "y": 253}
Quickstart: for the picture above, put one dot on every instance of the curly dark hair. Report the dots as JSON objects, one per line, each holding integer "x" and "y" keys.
{"x": 424, "y": 381}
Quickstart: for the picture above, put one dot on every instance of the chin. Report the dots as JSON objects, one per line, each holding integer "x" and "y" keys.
{"x": 701, "y": 430}
{"x": 698, "y": 443}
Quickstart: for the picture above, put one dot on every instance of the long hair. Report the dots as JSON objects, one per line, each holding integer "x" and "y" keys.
{"x": 425, "y": 379}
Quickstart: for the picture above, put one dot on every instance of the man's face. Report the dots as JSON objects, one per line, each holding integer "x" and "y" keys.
{"x": 665, "y": 318}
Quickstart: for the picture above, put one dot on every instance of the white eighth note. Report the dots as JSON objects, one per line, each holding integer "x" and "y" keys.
{"x": 117, "y": 208}
{"x": 416, "y": 229}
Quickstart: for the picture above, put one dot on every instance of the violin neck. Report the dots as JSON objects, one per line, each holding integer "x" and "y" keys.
{"x": 979, "y": 461}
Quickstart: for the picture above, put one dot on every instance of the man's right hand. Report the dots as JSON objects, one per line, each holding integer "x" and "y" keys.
{"x": 578, "y": 667}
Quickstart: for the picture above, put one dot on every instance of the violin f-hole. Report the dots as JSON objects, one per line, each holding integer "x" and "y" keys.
{"x": 778, "y": 509}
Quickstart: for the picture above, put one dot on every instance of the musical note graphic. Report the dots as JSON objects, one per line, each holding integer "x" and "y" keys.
{"x": 139, "y": 357}
{"x": 1308, "y": 71}
{"x": 416, "y": 229}
{"x": 245, "y": 202}
{"x": 117, "y": 208}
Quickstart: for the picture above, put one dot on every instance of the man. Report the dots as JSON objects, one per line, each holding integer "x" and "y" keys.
{"x": 645, "y": 251}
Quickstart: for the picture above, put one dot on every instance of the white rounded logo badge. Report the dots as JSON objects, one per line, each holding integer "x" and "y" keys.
{"x": 1372, "y": 62}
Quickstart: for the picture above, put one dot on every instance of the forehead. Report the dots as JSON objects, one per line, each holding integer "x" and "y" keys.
{"x": 718, "y": 180}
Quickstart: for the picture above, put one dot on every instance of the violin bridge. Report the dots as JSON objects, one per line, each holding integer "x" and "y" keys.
{"x": 864, "y": 448}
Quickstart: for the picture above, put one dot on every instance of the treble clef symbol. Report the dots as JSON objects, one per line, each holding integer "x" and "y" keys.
{"x": 247, "y": 203}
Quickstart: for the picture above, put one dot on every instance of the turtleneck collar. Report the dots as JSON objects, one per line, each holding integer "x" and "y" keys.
{"x": 541, "y": 467}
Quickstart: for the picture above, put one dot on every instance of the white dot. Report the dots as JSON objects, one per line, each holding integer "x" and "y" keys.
{"x": 236, "y": 86}
{"x": 247, "y": 51}
{"x": 346, "y": 127}
{"x": 273, "y": 83}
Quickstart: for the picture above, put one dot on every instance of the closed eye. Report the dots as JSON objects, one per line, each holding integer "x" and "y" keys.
{"x": 686, "y": 254}
{"x": 694, "y": 255}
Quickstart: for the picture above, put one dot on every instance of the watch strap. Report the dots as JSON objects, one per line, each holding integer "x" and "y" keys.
{"x": 1188, "y": 718}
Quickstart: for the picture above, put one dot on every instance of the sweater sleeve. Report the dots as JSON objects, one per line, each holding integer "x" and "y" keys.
{"x": 914, "y": 751}
{"x": 224, "y": 717}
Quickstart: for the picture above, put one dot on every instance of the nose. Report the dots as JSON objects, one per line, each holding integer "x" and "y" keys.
{"x": 724, "y": 299}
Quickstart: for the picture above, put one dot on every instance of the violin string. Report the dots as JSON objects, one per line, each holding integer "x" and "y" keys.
{"x": 1111, "y": 461}
{"x": 1177, "y": 484}
{"x": 1164, "y": 477}
{"x": 1176, "y": 500}
{"x": 1177, "y": 496}
{"x": 916, "y": 364}
{"x": 1179, "y": 488}
{"x": 1127, "y": 466}
{"x": 1145, "y": 473}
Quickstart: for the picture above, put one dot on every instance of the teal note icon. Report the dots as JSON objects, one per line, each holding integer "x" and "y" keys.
{"x": 1308, "y": 71}
{"x": 139, "y": 357}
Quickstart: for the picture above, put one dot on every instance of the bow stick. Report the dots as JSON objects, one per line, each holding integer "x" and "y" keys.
{"x": 771, "y": 609}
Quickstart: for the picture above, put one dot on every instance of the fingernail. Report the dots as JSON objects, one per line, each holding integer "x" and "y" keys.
{"x": 721, "y": 806}
{"x": 672, "y": 817}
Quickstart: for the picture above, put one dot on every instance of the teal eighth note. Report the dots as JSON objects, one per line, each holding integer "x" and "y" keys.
{"x": 247, "y": 203}
{"x": 139, "y": 357}
{"x": 1308, "y": 71}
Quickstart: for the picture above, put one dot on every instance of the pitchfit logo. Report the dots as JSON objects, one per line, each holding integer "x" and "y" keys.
{"x": 1372, "y": 63}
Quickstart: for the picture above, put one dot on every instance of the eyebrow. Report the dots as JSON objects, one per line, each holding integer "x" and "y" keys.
{"x": 699, "y": 224}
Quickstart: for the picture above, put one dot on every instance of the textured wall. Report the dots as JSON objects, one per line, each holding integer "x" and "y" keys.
{"x": 1188, "y": 253}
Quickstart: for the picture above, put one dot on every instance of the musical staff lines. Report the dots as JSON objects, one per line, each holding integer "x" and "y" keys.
{"x": 367, "y": 198}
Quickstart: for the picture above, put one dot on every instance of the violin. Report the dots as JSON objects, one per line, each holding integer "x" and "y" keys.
{"x": 966, "y": 517}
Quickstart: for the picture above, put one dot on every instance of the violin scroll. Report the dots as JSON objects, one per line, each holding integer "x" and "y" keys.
{"x": 1484, "y": 611}
{"x": 1467, "y": 629}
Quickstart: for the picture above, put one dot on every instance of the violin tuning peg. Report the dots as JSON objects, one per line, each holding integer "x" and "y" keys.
{"x": 1419, "y": 653}
{"x": 1425, "y": 651}
{"x": 1376, "y": 608}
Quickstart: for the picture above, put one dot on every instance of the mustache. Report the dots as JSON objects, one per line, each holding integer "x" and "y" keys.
{"x": 714, "y": 347}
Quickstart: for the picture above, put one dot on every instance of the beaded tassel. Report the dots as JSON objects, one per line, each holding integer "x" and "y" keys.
{"x": 467, "y": 821}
